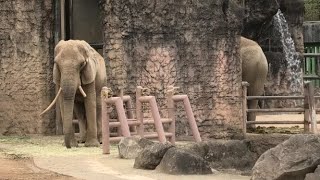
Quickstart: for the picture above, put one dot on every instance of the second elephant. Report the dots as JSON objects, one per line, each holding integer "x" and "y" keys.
{"x": 254, "y": 71}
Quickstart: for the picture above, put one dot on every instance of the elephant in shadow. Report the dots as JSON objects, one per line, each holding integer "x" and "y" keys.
{"x": 79, "y": 73}
{"x": 254, "y": 71}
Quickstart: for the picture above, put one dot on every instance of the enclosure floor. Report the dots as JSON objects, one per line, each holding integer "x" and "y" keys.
{"x": 283, "y": 117}
{"x": 49, "y": 155}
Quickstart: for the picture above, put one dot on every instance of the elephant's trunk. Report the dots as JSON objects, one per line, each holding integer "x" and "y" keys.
{"x": 68, "y": 92}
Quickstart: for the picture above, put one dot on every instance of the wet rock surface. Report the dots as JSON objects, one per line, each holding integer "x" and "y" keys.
{"x": 150, "y": 157}
{"x": 290, "y": 160}
{"x": 313, "y": 176}
{"x": 130, "y": 147}
{"x": 201, "y": 158}
{"x": 181, "y": 161}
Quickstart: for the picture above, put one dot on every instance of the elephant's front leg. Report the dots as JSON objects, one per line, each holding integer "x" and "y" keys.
{"x": 90, "y": 107}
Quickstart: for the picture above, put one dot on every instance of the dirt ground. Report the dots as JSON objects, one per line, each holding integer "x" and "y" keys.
{"x": 11, "y": 168}
{"x": 44, "y": 157}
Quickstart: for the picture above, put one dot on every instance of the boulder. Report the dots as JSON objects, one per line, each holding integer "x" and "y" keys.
{"x": 221, "y": 154}
{"x": 150, "y": 156}
{"x": 181, "y": 161}
{"x": 290, "y": 160}
{"x": 313, "y": 176}
{"x": 130, "y": 147}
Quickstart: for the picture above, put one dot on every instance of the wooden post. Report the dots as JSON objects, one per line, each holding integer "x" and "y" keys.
{"x": 312, "y": 110}
{"x": 139, "y": 113}
{"x": 170, "y": 106}
{"x": 306, "y": 109}
{"x": 244, "y": 108}
{"x": 105, "y": 122}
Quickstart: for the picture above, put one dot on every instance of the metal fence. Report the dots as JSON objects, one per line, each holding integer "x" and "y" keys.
{"x": 311, "y": 64}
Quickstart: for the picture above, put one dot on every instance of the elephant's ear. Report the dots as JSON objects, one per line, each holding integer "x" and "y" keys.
{"x": 56, "y": 71}
{"x": 58, "y": 47}
{"x": 56, "y": 74}
{"x": 88, "y": 72}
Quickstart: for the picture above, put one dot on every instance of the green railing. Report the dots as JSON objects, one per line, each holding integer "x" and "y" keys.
{"x": 311, "y": 65}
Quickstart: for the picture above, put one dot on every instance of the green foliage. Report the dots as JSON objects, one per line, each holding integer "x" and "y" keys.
{"x": 312, "y": 10}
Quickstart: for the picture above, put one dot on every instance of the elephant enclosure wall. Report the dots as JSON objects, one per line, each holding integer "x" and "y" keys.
{"x": 189, "y": 44}
{"x": 26, "y": 29}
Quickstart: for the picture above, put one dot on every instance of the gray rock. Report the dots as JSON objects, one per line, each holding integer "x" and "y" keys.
{"x": 150, "y": 156}
{"x": 181, "y": 161}
{"x": 130, "y": 147}
{"x": 313, "y": 176}
{"x": 290, "y": 160}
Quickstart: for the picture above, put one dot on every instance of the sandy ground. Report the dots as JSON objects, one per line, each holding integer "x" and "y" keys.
{"x": 44, "y": 157}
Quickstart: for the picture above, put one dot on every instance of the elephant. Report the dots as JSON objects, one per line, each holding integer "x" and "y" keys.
{"x": 79, "y": 73}
{"x": 254, "y": 71}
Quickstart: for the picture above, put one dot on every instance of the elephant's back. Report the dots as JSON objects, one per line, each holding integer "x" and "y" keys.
{"x": 245, "y": 42}
{"x": 254, "y": 62}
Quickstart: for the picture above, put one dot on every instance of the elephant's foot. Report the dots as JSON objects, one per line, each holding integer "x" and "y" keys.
{"x": 82, "y": 138}
{"x": 92, "y": 143}
{"x": 251, "y": 128}
{"x": 73, "y": 143}
{"x": 100, "y": 138}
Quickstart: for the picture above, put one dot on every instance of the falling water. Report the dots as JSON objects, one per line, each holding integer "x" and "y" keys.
{"x": 294, "y": 71}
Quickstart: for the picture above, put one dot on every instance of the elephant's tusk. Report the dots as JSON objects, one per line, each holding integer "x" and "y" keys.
{"x": 82, "y": 92}
{"x": 53, "y": 102}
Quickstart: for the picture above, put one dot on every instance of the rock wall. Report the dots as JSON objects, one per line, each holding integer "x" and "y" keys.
{"x": 189, "y": 44}
{"x": 26, "y": 60}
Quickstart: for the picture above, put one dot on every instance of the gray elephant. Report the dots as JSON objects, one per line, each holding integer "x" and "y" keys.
{"x": 254, "y": 71}
{"x": 79, "y": 73}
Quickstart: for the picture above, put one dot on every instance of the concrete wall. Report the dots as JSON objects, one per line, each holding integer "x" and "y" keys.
{"x": 26, "y": 43}
{"x": 190, "y": 44}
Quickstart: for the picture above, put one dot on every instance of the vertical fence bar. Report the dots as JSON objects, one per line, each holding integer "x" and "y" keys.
{"x": 244, "y": 108}
{"x": 157, "y": 119}
{"x": 306, "y": 109}
{"x": 105, "y": 122}
{"x": 139, "y": 113}
{"x": 170, "y": 105}
{"x": 122, "y": 118}
{"x": 191, "y": 120}
{"x": 312, "y": 110}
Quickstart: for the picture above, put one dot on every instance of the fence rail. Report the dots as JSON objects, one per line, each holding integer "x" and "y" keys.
{"x": 308, "y": 109}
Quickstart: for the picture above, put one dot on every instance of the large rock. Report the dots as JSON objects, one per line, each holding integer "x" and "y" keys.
{"x": 130, "y": 147}
{"x": 150, "y": 157}
{"x": 290, "y": 160}
{"x": 313, "y": 176}
{"x": 180, "y": 161}
{"x": 232, "y": 154}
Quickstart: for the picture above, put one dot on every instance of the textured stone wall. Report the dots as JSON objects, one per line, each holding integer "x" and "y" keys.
{"x": 25, "y": 66}
{"x": 189, "y": 44}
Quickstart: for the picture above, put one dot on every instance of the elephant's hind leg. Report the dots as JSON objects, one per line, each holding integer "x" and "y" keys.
{"x": 80, "y": 115}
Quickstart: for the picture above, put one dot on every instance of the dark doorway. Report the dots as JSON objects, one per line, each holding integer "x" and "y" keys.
{"x": 81, "y": 19}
